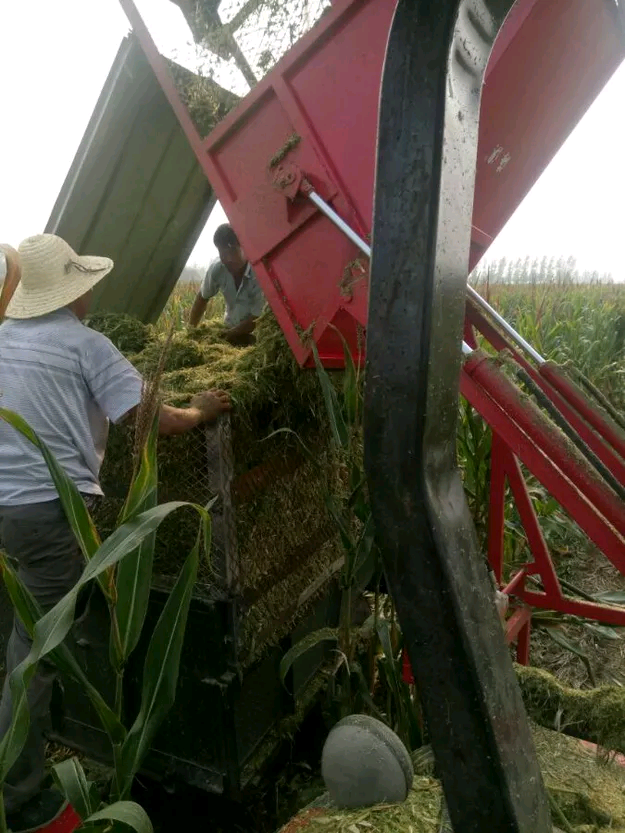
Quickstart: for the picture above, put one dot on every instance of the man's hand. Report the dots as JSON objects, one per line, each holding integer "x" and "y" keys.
{"x": 241, "y": 335}
{"x": 211, "y": 404}
{"x": 12, "y": 277}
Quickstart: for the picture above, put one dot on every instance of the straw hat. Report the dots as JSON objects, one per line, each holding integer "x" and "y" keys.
{"x": 53, "y": 276}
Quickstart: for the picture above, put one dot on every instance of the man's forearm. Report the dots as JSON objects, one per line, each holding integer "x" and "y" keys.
{"x": 197, "y": 310}
{"x": 178, "y": 420}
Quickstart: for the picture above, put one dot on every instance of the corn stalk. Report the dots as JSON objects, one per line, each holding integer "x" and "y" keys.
{"x": 122, "y": 565}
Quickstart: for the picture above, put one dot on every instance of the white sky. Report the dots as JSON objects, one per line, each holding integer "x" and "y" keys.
{"x": 55, "y": 56}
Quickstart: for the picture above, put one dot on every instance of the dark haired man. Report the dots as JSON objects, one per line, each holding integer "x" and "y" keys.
{"x": 231, "y": 275}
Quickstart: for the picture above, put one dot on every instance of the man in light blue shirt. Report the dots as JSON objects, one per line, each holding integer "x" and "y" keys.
{"x": 69, "y": 383}
{"x": 231, "y": 275}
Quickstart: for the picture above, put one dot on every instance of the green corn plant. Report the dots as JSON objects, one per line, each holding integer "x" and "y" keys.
{"x": 350, "y": 688}
{"x": 403, "y": 709}
{"x": 134, "y": 573}
{"x": 124, "y": 558}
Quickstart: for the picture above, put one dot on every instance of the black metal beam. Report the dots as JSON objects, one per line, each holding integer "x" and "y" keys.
{"x": 427, "y": 146}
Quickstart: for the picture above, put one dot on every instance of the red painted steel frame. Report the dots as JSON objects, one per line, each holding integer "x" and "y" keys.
{"x": 547, "y": 437}
{"x": 601, "y": 437}
{"x": 326, "y": 91}
{"x": 552, "y": 373}
{"x": 546, "y": 455}
{"x": 536, "y": 457}
{"x": 488, "y": 391}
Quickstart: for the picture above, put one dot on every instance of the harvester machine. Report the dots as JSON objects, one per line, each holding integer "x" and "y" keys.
{"x": 366, "y": 175}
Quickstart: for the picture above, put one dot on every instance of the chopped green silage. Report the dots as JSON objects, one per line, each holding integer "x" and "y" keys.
{"x": 420, "y": 813}
{"x": 596, "y": 714}
{"x": 206, "y": 101}
{"x": 181, "y": 353}
{"x": 589, "y": 795}
{"x": 129, "y": 335}
{"x": 281, "y": 526}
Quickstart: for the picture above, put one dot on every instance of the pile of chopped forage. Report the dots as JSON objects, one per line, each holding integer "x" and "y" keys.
{"x": 284, "y": 537}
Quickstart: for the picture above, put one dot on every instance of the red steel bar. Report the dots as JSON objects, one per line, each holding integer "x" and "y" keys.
{"x": 518, "y": 628}
{"x": 578, "y": 506}
{"x": 497, "y": 507}
{"x": 597, "y": 442}
{"x": 535, "y": 538}
{"x": 552, "y": 598}
{"x": 517, "y": 622}
{"x": 545, "y": 435}
{"x": 575, "y": 607}
{"x": 567, "y": 388}
{"x": 516, "y": 583}
{"x": 523, "y": 644}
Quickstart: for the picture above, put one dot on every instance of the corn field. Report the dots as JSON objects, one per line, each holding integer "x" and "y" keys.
{"x": 568, "y": 322}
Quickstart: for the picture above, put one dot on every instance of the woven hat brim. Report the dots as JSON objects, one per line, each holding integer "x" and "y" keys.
{"x": 32, "y": 304}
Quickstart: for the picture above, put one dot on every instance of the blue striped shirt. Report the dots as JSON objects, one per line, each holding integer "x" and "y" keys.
{"x": 67, "y": 381}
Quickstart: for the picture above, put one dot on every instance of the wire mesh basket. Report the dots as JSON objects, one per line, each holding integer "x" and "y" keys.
{"x": 274, "y": 547}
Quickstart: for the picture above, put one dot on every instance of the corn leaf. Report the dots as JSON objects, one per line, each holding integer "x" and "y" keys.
{"x": 207, "y": 530}
{"x": 160, "y": 673}
{"x": 602, "y": 631}
{"x": 125, "y": 812}
{"x": 338, "y": 427}
{"x": 363, "y": 690}
{"x": 615, "y": 597}
{"x": 304, "y": 645}
{"x": 50, "y": 631}
{"x": 145, "y": 482}
{"x": 134, "y": 574}
{"x": 564, "y": 642}
{"x": 72, "y": 781}
{"x": 306, "y": 451}
{"x": 351, "y": 392}
{"x": 71, "y": 499}
{"x": 408, "y": 727}
{"x": 29, "y": 612}
{"x": 365, "y": 544}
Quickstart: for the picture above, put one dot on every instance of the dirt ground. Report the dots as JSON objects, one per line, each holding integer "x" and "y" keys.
{"x": 605, "y": 658}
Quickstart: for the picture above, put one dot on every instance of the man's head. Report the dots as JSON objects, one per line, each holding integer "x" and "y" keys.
{"x": 230, "y": 252}
{"x": 53, "y": 277}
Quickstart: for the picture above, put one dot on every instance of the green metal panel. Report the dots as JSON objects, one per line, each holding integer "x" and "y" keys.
{"x": 135, "y": 191}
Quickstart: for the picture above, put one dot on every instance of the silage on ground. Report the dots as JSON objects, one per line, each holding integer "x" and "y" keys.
{"x": 589, "y": 792}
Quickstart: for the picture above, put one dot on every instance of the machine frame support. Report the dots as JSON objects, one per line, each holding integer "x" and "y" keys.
{"x": 427, "y": 146}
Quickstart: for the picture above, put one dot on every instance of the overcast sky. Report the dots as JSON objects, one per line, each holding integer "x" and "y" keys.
{"x": 56, "y": 54}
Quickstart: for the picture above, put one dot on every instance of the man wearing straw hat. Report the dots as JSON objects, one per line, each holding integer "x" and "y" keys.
{"x": 68, "y": 382}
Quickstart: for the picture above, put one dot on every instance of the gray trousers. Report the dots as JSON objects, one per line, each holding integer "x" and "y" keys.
{"x": 49, "y": 562}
